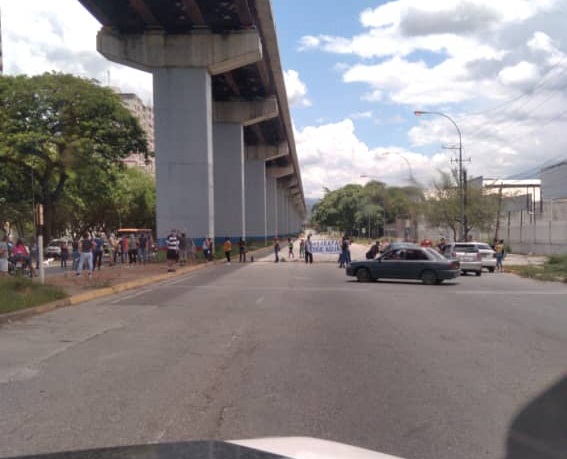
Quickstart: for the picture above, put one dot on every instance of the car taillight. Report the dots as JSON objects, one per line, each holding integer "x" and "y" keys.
{"x": 478, "y": 257}
{"x": 454, "y": 254}
{"x": 454, "y": 265}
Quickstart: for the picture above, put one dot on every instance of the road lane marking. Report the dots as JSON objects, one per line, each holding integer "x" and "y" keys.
{"x": 132, "y": 295}
{"x": 508, "y": 292}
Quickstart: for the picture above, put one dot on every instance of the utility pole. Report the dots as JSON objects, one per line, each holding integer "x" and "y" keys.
{"x": 462, "y": 203}
{"x": 39, "y": 219}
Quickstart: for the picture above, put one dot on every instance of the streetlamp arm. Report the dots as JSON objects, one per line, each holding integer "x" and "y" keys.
{"x": 421, "y": 112}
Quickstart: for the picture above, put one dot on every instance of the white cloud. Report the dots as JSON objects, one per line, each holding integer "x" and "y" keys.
{"x": 296, "y": 89}
{"x": 497, "y": 67}
{"x": 39, "y": 38}
{"x": 519, "y": 74}
{"x": 332, "y": 155}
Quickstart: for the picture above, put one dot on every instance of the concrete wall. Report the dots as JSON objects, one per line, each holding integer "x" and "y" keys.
{"x": 542, "y": 232}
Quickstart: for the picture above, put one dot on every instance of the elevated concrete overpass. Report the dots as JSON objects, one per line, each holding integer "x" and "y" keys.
{"x": 226, "y": 162}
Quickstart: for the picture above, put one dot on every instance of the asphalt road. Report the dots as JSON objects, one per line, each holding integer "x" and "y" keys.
{"x": 285, "y": 349}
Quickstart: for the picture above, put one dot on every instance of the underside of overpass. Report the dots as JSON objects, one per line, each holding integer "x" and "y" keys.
{"x": 223, "y": 125}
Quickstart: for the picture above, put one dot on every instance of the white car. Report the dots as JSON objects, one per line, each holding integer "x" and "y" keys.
{"x": 487, "y": 254}
{"x": 53, "y": 249}
{"x": 468, "y": 254}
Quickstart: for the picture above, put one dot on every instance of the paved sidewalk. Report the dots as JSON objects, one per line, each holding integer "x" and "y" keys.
{"x": 108, "y": 276}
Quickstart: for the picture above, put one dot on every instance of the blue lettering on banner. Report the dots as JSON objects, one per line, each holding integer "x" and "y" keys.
{"x": 326, "y": 246}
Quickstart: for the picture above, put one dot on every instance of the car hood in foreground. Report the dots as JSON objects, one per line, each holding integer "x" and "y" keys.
{"x": 262, "y": 448}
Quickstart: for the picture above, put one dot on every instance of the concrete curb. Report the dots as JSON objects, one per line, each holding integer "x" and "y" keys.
{"x": 107, "y": 291}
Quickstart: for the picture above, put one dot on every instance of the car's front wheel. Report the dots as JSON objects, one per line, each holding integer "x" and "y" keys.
{"x": 363, "y": 275}
{"x": 478, "y": 273}
{"x": 428, "y": 277}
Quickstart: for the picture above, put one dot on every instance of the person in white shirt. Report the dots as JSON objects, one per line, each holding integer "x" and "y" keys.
{"x": 172, "y": 250}
{"x": 309, "y": 250}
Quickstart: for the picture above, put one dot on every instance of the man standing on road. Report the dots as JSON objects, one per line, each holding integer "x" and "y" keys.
{"x": 227, "y": 247}
{"x": 143, "y": 248}
{"x": 172, "y": 250}
{"x": 64, "y": 255}
{"x": 183, "y": 249}
{"x": 277, "y": 250}
{"x": 290, "y": 248}
{"x": 97, "y": 253}
{"x": 86, "y": 247}
{"x": 309, "y": 250}
{"x": 499, "y": 249}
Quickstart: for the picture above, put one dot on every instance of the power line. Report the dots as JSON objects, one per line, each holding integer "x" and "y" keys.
{"x": 528, "y": 92}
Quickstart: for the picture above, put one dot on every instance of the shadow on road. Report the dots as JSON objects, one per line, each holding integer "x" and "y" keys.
{"x": 539, "y": 430}
{"x": 403, "y": 282}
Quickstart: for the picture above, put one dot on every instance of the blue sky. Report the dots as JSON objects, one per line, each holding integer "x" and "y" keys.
{"x": 335, "y": 101}
{"x": 355, "y": 71}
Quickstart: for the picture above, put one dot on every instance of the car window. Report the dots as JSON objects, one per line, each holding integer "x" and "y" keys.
{"x": 397, "y": 254}
{"x": 484, "y": 247}
{"x": 465, "y": 248}
{"x": 434, "y": 254}
{"x": 416, "y": 254}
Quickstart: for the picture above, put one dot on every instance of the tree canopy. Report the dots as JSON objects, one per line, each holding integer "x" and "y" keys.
{"x": 355, "y": 206}
{"x": 443, "y": 208}
{"x": 61, "y": 144}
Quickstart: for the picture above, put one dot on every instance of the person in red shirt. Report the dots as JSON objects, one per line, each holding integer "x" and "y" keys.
{"x": 20, "y": 253}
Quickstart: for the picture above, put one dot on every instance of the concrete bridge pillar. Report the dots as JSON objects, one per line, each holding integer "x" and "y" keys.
{"x": 271, "y": 205}
{"x": 256, "y": 199}
{"x": 229, "y": 157}
{"x": 182, "y": 65}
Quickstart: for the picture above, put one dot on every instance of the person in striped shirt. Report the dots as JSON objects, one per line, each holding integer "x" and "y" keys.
{"x": 172, "y": 250}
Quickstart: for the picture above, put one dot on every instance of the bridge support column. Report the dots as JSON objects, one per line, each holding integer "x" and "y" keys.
{"x": 184, "y": 146}
{"x": 229, "y": 153}
{"x": 256, "y": 203}
{"x": 271, "y": 205}
{"x": 182, "y": 65}
{"x": 281, "y": 210}
{"x": 228, "y": 140}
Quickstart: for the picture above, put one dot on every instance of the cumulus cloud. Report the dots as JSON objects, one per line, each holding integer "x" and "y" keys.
{"x": 468, "y": 37}
{"x": 296, "y": 89}
{"x": 68, "y": 36}
{"x": 332, "y": 155}
{"x": 497, "y": 67}
{"x": 519, "y": 74}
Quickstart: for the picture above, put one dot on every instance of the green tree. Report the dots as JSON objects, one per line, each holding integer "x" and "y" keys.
{"x": 356, "y": 206}
{"x": 443, "y": 207}
{"x": 57, "y": 128}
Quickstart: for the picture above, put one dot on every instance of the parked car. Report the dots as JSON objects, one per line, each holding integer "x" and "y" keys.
{"x": 487, "y": 255}
{"x": 468, "y": 254}
{"x": 406, "y": 261}
{"x": 53, "y": 249}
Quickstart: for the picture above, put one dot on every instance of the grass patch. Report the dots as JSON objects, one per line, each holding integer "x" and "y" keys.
{"x": 554, "y": 269}
{"x": 20, "y": 293}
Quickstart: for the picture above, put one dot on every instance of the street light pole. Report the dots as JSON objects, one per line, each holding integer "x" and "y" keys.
{"x": 461, "y": 181}
{"x": 410, "y": 170}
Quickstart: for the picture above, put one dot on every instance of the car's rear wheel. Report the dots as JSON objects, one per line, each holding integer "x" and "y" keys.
{"x": 478, "y": 273}
{"x": 363, "y": 275}
{"x": 429, "y": 277}
{"x": 491, "y": 269}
